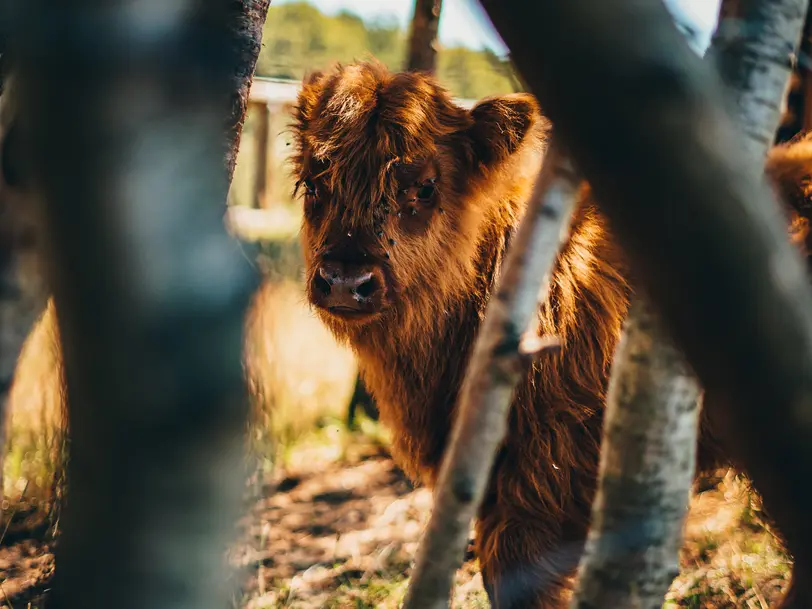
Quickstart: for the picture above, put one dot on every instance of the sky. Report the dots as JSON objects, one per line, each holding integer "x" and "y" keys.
{"x": 462, "y": 22}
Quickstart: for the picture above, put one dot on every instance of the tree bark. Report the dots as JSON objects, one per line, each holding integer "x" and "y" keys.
{"x": 648, "y": 449}
{"x": 423, "y": 36}
{"x": 753, "y": 48}
{"x": 125, "y": 136}
{"x": 648, "y": 456}
{"x": 704, "y": 231}
{"x": 246, "y": 18}
{"x": 507, "y": 335}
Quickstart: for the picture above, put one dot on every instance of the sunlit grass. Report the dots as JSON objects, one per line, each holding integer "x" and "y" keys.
{"x": 35, "y": 435}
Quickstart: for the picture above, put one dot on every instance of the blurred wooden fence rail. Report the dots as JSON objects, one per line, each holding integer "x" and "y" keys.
{"x": 268, "y": 98}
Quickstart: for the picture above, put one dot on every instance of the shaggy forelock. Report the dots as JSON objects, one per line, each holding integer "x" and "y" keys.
{"x": 360, "y": 119}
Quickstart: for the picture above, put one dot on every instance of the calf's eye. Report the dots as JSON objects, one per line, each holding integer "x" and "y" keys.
{"x": 310, "y": 188}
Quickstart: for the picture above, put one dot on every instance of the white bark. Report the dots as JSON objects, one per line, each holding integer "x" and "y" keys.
{"x": 492, "y": 374}
{"x": 753, "y": 47}
{"x": 647, "y": 463}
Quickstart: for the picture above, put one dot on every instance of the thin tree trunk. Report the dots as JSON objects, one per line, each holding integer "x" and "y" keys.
{"x": 648, "y": 456}
{"x": 423, "y": 36}
{"x": 125, "y": 133}
{"x": 704, "y": 232}
{"x": 246, "y": 18}
{"x": 491, "y": 377}
{"x": 753, "y": 48}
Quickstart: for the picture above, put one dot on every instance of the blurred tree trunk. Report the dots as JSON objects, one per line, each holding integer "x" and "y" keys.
{"x": 423, "y": 36}
{"x": 704, "y": 232}
{"x": 150, "y": 289}
{"x": 27, "y": 293}
{"x": 649, "y": 443}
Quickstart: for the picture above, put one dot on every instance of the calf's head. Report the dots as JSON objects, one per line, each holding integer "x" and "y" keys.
{"x": 398, "y": 183}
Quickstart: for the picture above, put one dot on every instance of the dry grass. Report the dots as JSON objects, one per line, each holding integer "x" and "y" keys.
{"x": 301, "y": 377}
{"x": 35, "y": 444}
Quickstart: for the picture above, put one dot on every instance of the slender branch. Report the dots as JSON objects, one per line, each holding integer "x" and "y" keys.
{"x": 494, "y": 370}
{"x": 703, "y": 230}
{"x": 124, "y": 133}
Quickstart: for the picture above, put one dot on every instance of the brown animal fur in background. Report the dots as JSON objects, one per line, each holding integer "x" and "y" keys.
{"x": 410, "y": 203}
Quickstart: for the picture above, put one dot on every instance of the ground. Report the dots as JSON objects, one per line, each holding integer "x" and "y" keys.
{"x": 329, "y": 520}
{"x": 338, "y": 525}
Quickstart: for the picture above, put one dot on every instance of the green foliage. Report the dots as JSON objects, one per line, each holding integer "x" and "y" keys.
{"x": 299, "y": 38}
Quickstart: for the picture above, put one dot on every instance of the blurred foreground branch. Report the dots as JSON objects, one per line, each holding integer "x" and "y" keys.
{"x": 506, "y": 337}
{"x": 121, "y": 112}
{"x": 650, "y": 428}
{"x": 703, "y": 230}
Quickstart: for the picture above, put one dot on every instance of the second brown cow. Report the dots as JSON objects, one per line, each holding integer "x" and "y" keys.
{"x": 410, "y": 203}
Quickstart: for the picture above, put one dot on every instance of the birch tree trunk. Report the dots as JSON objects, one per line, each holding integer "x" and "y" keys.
{"x": 648, "y": 457}
{"x": 423, "y": 36}
{"x": 703, "y": 231}
{"x": 125, "y": 135}
{"x": 481, "y": 420}
{"x": 753, "y": 48}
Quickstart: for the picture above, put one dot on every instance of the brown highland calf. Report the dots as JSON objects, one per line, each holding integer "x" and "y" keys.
{"x": 410, "y": 203}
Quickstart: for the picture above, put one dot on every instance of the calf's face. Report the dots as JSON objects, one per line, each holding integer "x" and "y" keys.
{"x": 396, "y": 182}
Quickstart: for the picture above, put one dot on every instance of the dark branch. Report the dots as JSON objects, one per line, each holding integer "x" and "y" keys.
{"x": 703, "y": 230}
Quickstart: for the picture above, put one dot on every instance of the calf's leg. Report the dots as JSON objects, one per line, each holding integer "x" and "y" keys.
{"x": 524, "y": 564}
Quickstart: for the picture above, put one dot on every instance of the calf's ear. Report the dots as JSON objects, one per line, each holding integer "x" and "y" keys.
{"x": 501, "y": 125}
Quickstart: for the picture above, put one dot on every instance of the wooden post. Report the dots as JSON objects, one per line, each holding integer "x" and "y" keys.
{"x": 261, "y": 138}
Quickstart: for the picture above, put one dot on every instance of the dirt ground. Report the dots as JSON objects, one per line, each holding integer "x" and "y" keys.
{"x": 338, "y": 527}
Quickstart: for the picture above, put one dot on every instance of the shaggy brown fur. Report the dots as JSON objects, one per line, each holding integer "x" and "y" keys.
{"x": 419, "y": 199}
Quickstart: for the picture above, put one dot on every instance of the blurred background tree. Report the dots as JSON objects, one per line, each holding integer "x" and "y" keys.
{"x": 298, "y": 37}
